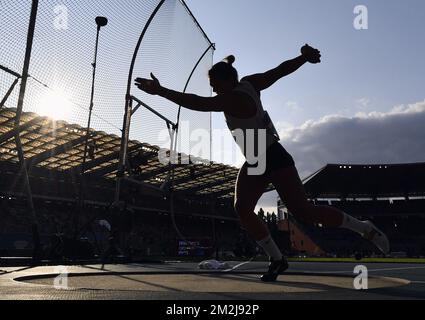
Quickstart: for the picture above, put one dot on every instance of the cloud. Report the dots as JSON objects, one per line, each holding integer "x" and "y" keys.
{"x": 293, "y": 106}
{"x": 363, "y": 103}
{"x": 397, "y": 136}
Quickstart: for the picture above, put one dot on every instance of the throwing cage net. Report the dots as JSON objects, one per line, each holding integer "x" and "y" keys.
{"x": 161, "y": 37}
{"x": 61, "y": 72}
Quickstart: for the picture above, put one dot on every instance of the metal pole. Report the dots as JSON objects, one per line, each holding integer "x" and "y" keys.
{"x": 22, "y": 162}
{"x": 8, "y": 93}
{"x": 86, "y": 143}
{"x": 83, "y": 169}
{"x": 289, "y": 232}
{"x": 129, "y": 107}
{"x": 215, "y": 243}
{"x": 211, "y": 119}
{"x": 13, "y": 73}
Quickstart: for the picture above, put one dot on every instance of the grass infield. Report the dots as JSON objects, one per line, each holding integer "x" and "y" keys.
{"x": 365, "y": 260}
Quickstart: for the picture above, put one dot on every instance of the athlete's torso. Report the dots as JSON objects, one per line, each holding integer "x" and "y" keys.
{"x": 250, "y": 127}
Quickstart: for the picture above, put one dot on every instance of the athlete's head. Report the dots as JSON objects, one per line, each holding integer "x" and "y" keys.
{"x": 223, "y": 76}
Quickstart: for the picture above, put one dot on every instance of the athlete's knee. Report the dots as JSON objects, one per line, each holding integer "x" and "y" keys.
{"x": 299, "y": 208}
{"x": 243, "y": 208}
{"x": 304, "y": 212}
{"x": 245, "y": 214}
{"x": 248, "y": 221}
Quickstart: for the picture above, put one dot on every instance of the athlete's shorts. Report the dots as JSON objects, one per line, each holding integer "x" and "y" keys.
{"x": 276, "y": 158}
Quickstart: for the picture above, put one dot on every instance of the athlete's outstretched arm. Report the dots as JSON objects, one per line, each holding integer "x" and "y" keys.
{"x": 234, "y": 103}
{"x": 265, "y": 80}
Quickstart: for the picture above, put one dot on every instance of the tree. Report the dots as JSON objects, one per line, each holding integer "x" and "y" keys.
{"x": 274, "y": 218}
{"x": 261, "y": 214}
{"x": 269, "y": 218}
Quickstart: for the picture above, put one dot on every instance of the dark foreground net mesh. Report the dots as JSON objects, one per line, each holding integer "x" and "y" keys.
{"x": 63, "y": 52}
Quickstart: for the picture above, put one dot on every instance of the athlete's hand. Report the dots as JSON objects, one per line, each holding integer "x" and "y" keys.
{"x": 311, "y": 54}
{"x": 149, "y": 86}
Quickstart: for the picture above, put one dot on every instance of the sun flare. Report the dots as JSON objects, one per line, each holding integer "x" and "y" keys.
{"x": 55, "y": 104}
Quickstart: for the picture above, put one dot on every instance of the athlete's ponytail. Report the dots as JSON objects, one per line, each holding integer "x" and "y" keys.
{"x": 230, "y": 59}
{"x": 224, "y": 70}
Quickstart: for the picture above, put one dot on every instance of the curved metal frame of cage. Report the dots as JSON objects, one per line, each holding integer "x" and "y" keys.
{"x": 129, "y": 111}
{"x": 173, "y": 127}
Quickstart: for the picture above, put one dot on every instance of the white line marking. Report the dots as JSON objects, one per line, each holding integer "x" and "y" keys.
{"x": 395, "y": 269}
{"x": 370, "y": 270}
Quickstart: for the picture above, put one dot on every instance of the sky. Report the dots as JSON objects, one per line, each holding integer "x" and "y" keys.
{"x": 63, "y": 51}
{"x": 364, "y": 104}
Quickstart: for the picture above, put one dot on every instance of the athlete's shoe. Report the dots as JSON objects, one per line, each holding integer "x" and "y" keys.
{"x": 276, "y": 268}
{"x": 378, "y": 238}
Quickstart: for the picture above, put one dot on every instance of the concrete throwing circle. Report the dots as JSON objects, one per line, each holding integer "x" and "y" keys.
{"x": 211, "y": 283}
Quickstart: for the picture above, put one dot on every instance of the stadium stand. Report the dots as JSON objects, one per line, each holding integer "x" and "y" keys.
{"x": 203, "y": 194}
{"x": 392, "y": 196}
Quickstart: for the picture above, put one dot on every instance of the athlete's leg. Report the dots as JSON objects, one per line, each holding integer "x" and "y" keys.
{"x": 249, "y": 189}
{"x": 291, "y": 190}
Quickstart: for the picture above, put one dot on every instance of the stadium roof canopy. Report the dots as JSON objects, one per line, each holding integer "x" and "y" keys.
{"x": 57, "y": 146}
{"x": 386, "y": 180}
